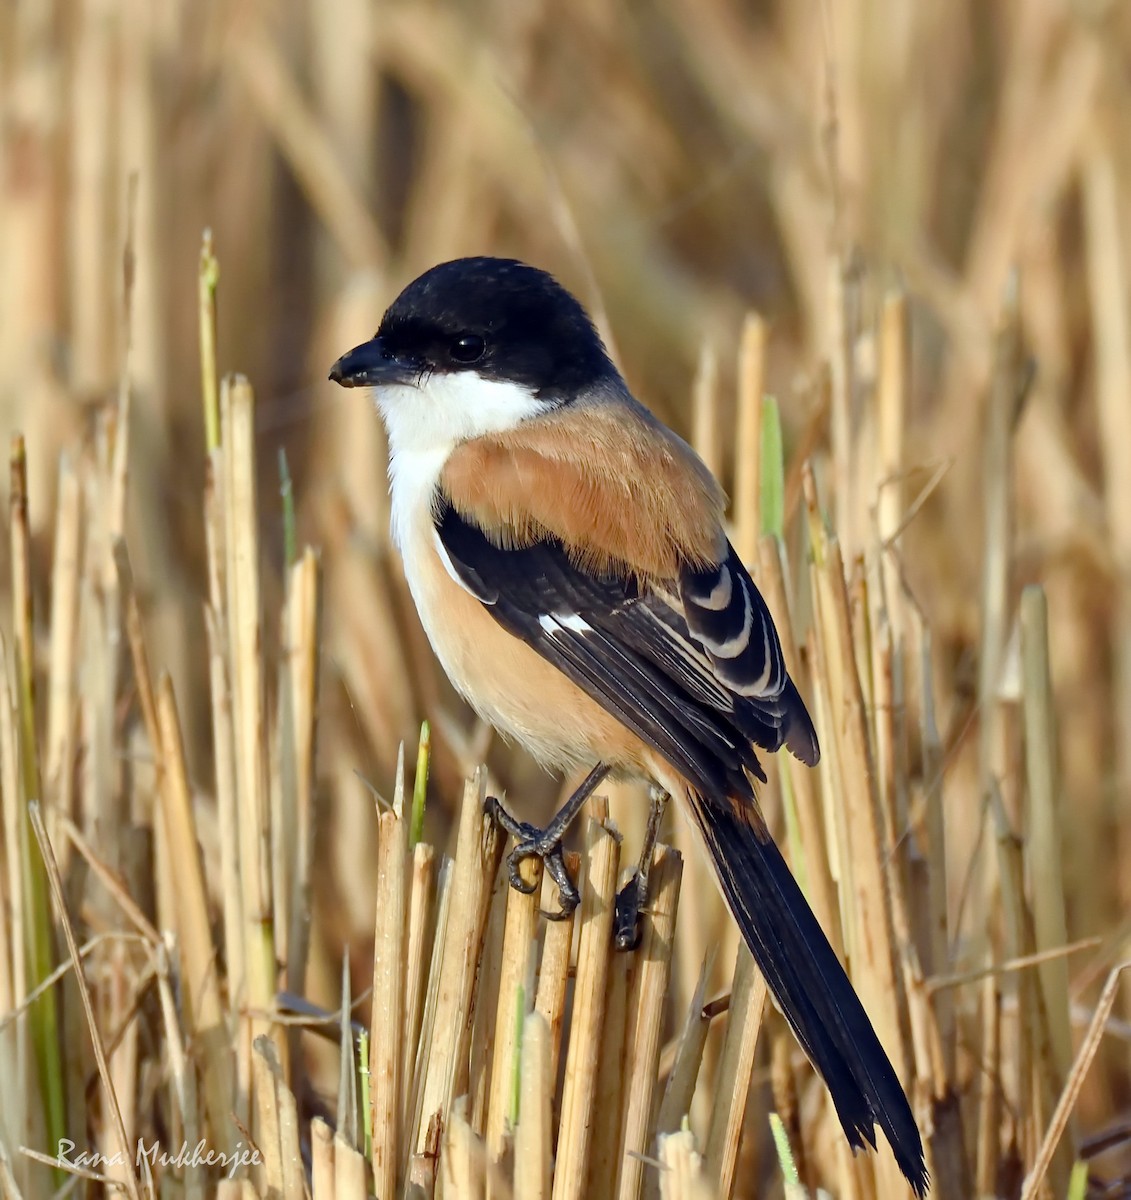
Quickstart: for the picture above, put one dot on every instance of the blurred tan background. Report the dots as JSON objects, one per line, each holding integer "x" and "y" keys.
{"x": 678, "y": 164}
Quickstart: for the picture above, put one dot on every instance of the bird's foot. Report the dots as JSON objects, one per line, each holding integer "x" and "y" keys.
{"x": 632, "y": 897}
{"x": 546, "y": 844}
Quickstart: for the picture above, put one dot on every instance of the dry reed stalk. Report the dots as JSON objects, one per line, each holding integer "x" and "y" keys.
{"x": 1109, "y": 297}
{"x": 997, "y": 473}
{"x": 15, "y": 1044}
{"x": 1028, "y": 1077}
{"x": 736, "y": 1067}
{"x": 321, "y": 1161}
{"x": 245, "y": 631}
{"x": 554, "y": 968}
{"x": 840, "y": 320}
{"x": 892, "y": 394}
{"x": 675, "y": 1103}
{"x": 197, "y": 954}
{"x": 347, "y": 86}
{"x": 651, "y": 977}
{"x": 937, "y": 953}
{"x": 416, "y": 960}
{"x": 489, "y": 1004}
{"x": 350, "y": 1175}
{"x": 746, "y": 514}
{"x": 66, "y": 574}
{"x": 682, "y": 1172}
{"x": 707, "y": 429}
{"x": 223, "y": 743}
{"x": 92, "y": 297}
{"x": 387, "y": 1024}
{"x": 292, "y": 1171}
{"x": 533, "y": 1137}
{"x": 575, "y": 1128}
{"x": 988, "y": 1113}
{"x": 130, "y": 1179}
{"x": 236, "y": 1189}
{"x": 183, "y": 1104}
{"x": 1046, "y": 1152}
{"x": 299, "y": 687}
{"x": 208, "y": 277}
{"x": 609, "y": 1091}
{"x": 1046, "y": 837}
{"x": 139, "y": 653}
{"x": 813, "y": 867}
{"x": 416, "y": 1129}
{"x": 266, "y": 1109}
{"x": 478, "y": 852}
{"x": 869, "y": 936}
{"x": 925, "y": 1046}
{"x": 515, "y": 973}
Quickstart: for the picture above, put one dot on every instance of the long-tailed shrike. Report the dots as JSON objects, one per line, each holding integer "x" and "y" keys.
{"x": 567, "y": 556}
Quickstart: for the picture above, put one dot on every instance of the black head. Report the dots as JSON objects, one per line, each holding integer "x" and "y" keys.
{"x": 497, "y": 317}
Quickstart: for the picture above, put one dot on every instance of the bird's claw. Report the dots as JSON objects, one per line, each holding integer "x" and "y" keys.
{"x": 544, "y": 844}
{"x": 626, "y": 916}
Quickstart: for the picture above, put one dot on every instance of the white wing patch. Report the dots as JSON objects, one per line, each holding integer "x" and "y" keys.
{"x": 555, "y": 623}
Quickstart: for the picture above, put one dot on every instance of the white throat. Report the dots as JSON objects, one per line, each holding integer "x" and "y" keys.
{"x": 426, "y": 423}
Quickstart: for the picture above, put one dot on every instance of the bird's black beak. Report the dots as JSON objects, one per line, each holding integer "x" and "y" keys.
{"x": 370, "y": 365}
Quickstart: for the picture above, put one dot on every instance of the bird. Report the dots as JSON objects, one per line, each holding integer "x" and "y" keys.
{"x": 567, "y": 556}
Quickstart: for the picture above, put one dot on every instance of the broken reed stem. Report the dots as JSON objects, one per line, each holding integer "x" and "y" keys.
{"x": 575, "y": 1128}
{"x": 553, "y": 975}
{"x": 675, "y": 1104}
{"x": 682, "y": 1173}
{"x": 736, "y": 1067}
{"x": 387, "y": 1024}
{"x": 652, "y": 973}
{"x": 245, "y": 631}
{"x": 417, "y": 1128}
{"x": 417, "y": 944}
{"x": 533, "y": 1139}
{"x": 321, "y": 1160}
{"x": 303, "y": 633}
{"x": 198, "y": 962}
{"x": 478, "y": 852}
{"x": 609, "y": 1092}
{"x": 519, "y": 934}
{"x": 224, "y": 752}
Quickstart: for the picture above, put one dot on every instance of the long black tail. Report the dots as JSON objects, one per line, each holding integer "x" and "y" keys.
{"x": 810, "y": 986}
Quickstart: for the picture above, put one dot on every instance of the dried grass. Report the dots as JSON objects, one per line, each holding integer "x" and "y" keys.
{"x": 832, "y": 243}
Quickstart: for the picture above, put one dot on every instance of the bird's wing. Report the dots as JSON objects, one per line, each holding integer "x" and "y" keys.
{"x": 695, "y": 670}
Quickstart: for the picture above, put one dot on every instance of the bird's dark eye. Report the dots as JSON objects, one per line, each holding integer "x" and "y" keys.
{"x": 467, "y": 348}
